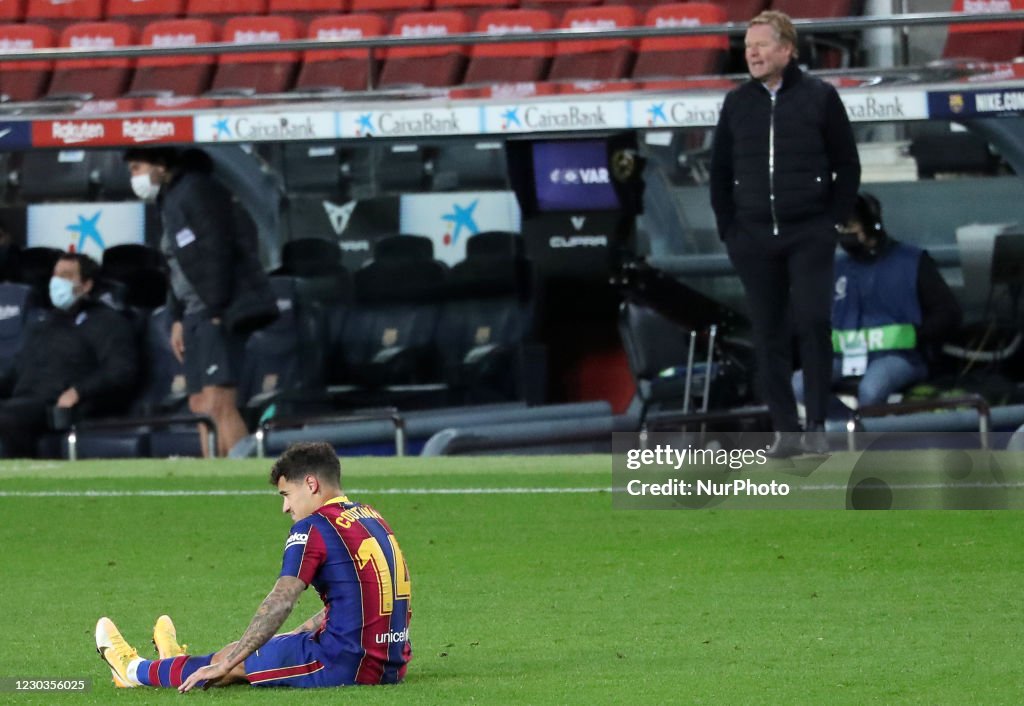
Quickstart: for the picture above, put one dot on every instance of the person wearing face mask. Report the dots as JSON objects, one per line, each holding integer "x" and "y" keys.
{"x": 82, "y": 355}
{"x": 889, "y": 303}
{"x": 213, "y": 275}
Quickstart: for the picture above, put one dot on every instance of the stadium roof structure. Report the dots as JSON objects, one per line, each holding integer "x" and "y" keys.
{"x": 944, "y": 90}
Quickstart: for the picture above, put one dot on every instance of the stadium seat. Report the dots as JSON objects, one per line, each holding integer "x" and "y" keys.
{"x": 12, "y": 10}
{"x": 181, "y": 75}
{"x": 220, "y": 10}
{"x": 474, "y": 9}
{"x": 59, "y": 14}
{"x": 388, "y": 336}
{"x": 109, "y": 178}
{"x": 594, "y": 59}
{"x": 93, "y": 79}
{"x": 678, "y": 57}
{"x": 988, "y": 41}
{"x": 36, "y": 269}
{"x": 654, "y": 345}
{"x": 823, "y": 51}
{"x": 52, "y": 175}
{"x": 24, "y": 80}
{"x": 258, "y": 72}
{"x": 743, "y": 10}
{"x": 508, "y": 63}
{"x": 558, "y": 8}
{"x": 339, "y": 69}
{"x": 306, "y": 11}
{"x": 316, "y": 265}
{"x": 141, "y": 269}
{"x": 139, "y": 13}
{"x": 429, "y": 65}
{"x": 390, "y": 9}
{"x": 284, "y": 361}
{"x": 18, "y": 303}
{"x": 487, "y": 320}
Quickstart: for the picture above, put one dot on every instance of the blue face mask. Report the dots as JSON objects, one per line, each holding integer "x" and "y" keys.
{"x": 62, "y": 293}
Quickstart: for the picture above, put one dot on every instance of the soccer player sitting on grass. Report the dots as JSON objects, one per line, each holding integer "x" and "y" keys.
{"x": 348, "y": 553}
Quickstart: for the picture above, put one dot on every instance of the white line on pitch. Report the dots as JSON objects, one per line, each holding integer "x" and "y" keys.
{"x": 354, "y": 491}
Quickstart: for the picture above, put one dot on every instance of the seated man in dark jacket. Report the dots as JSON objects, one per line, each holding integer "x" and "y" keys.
{"x": 83, "y": 355}
{"x": 889, "y": 303}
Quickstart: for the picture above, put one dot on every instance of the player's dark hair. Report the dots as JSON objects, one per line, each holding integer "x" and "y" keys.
{"x": 88, "y": 268}
{"x": 307, "y": 457}
{"x": 159, "y": 156}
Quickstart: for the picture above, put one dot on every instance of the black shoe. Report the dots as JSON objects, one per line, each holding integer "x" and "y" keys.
{"x": 786, "y": 445}
{"x": 814, "y": 440}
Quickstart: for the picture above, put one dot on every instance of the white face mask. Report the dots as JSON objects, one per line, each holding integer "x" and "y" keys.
{"x": 144, "y": 187}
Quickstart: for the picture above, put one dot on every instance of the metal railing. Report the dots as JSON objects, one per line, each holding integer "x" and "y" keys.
{"x": 839, "y": 25}
{"x": 386, "y": 414}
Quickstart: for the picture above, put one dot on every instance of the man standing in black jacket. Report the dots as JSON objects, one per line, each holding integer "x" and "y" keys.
{"x": 784, "y": 176}
{"x": 82, "y": 354}
{"x": 211, "y": 268}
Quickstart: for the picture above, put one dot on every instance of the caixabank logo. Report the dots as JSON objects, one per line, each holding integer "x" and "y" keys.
{"x": 86, "y": 228}
{"x": 695, "y": 112}
{"x": 257, "y": 127}
{"x": 409, "y": 123}
{"x": 554, "y": 116}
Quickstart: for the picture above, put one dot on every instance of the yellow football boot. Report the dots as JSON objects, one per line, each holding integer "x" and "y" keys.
{"x": 116, "y": 652}
{"x": 165, "y": 637}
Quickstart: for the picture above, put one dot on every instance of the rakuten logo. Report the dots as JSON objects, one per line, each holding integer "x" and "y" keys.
{"x": 70, "y": 133}
{"x": 147, "y": 130}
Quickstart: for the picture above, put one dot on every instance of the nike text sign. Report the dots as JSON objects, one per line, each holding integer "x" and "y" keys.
{"x": 126, "y": 131}
{"x": 90, "y": 228}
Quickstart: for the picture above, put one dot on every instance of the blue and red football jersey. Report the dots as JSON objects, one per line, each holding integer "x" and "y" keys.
{"x": 347, "y": 552}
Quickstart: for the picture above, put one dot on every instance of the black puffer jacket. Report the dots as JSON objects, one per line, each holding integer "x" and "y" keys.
{"x": 215, "y": 255}
{"x": 816, "y": 170}
{"x": 91, "y": 348}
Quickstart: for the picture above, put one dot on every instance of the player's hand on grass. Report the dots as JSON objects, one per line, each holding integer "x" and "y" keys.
{"x": 211, "y": 674}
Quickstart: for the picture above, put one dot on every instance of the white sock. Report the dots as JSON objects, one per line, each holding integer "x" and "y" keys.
{"x": 132, "y": 671}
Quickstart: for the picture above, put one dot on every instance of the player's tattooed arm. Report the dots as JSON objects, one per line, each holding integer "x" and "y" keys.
{"x": 270, "y": 616}
{"x": 312, "y": 624}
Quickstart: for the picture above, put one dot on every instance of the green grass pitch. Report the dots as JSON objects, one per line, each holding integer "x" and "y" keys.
{"x": 524, "y": 597}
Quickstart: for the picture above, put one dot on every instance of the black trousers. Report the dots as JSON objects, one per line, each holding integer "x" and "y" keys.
{"x": 788, "y": 282}
{"x": 22, "y": 419}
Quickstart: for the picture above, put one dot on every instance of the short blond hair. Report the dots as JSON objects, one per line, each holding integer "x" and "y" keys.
{"x": 785, "y": 32}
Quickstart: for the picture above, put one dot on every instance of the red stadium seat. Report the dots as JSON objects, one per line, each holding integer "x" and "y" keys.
{"x": 595, "y": 59}
{"x": 830, "y": 50}
{"x": 221, "y": 10}
{"x": 678, "y": 57}
{"x": 558, "y": 8}
{"x": 390, "y": 9}
{"x": 431, "y": 66}
{"x": 989, "y": 41}
{"x": 743, "y": 10}
{"x": 799, "y": 9}
{"x": 308, "y": 10}
{"x": 12, "y": 10}
{"x": 181, "y": 75}
{"x": 474, "y": 8}
{"x": 345, "y": 69}
{"x": 139, "y": 13}
{"x": 24, "y": 80}
{"x": 508, "y": 63}
{"x": 96, "y": 79}
{"x": 266, "y": 72}
{"x": 59, "y": 14}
